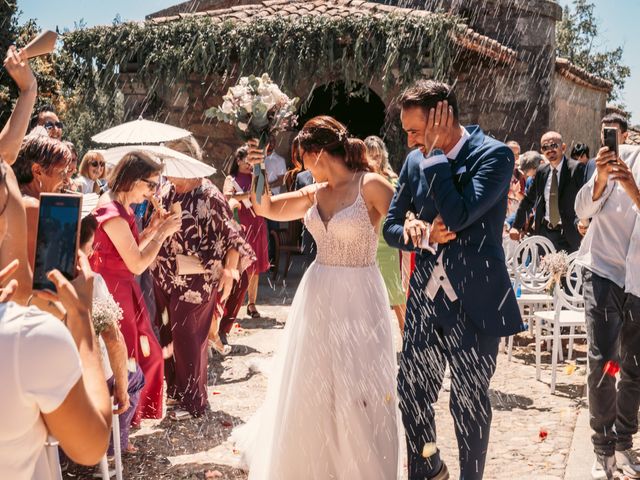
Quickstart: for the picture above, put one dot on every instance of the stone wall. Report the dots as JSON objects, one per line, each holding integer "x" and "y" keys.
{"x": 576, "y": 112}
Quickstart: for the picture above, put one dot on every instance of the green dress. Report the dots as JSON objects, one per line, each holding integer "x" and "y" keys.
{"x": 389, "y": 264}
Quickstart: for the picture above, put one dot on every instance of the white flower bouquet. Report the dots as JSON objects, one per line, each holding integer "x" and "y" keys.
{"x": 258, "y": 108}
{"x": 555, "y": 264}
{"x": 105, "y": 313}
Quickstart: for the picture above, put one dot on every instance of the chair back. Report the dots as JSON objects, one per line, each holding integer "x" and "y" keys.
{"x": 568, "y": 293}
{"x": 526, "y": 264}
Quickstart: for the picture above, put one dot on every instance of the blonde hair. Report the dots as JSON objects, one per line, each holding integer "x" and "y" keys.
{"x": 377, "y": 149}
{"x": 187, "y": 145}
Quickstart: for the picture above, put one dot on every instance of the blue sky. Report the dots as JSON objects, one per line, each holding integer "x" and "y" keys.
{"x": 618, "y": 26}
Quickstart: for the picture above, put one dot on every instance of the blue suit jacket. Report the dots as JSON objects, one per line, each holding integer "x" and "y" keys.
{"x": 470, "y": 194}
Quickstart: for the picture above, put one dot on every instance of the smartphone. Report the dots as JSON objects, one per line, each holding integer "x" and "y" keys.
{"x": 610, "y": 139}
{"x": 58, "y": 237}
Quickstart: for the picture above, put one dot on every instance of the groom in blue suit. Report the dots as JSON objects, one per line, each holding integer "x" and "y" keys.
{"x": 450, "y": 207}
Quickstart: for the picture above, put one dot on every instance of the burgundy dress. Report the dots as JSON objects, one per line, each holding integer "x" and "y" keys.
{"x": 135, "y": 325}
{"x": 207, "y": 234}
{"x": 255, "y": 229}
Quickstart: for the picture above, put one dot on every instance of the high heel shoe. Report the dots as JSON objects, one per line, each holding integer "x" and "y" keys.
{"x": 219, "y": 347}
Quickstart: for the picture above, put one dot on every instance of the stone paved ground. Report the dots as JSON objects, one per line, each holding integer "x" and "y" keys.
{"x": 524, "y": 411}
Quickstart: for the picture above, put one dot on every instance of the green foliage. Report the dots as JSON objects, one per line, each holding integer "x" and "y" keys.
{"x": 577, "y": 37}
{"x": 353, "y": 49}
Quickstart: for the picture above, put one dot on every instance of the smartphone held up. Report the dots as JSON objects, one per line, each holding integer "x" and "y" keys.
{"x": 610, "y": 139}
{"x": 57, "y": 238}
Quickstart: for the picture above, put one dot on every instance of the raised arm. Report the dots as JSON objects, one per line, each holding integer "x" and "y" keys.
{"x": 285, "y": 207}
{"x": 16, "y": 128}
{"x": 138, "y": 260}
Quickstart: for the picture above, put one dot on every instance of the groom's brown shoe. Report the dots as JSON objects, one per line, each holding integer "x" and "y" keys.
{"x": 443, "y": 474}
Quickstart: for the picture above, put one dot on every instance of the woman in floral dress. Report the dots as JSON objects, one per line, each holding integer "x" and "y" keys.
{"x": 207, "y": 238}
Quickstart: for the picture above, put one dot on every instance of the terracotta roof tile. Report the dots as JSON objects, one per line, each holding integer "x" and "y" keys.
{"x": 581, "y": 76}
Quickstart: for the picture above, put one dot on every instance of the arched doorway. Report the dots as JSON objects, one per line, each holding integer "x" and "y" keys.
{"x": 363, "y": 114}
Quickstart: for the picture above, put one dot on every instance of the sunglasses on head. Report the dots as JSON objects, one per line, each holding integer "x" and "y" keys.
{"x": 549, "y": 146}
{"x": 49, "y": 125}
{"x": 96, "y": 163}
{"x": 153, "y": 186}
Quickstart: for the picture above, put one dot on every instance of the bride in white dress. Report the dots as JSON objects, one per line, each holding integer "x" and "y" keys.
{"x": 330, "y": 409}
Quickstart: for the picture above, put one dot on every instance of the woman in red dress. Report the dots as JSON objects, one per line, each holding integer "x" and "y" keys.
{"x": 237, "y": 186}
{"x": 120, "y": 253}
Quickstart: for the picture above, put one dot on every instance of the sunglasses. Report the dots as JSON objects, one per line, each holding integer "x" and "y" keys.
{"x": 49, "y": 125}
{"x": 549, "y": 146}
{"x": 153, "y": 186}
{"x": 96, "y": 164}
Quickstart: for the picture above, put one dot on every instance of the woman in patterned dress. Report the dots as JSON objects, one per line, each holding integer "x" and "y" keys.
{"x": 209, "y": 239}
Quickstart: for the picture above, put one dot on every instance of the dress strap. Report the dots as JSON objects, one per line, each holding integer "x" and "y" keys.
{"x": 360, "y": 182}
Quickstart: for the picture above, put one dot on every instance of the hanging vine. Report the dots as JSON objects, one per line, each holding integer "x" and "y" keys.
{"x": 392, "y": 49}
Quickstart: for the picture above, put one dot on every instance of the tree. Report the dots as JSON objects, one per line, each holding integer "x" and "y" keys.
{"x": 44, "y": 68}
{"x": 577, "y": 38}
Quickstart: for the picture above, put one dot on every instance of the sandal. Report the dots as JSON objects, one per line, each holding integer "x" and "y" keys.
{"x": 219, "y": 347}
{"x": 252, "y": 312}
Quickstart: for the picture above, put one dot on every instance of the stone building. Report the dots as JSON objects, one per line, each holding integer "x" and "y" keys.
{"x": 506, "y": 73}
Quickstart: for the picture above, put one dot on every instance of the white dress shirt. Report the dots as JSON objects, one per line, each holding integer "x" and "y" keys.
{"x": 547, "y": 189}
{"x": 611, "y": 247}
{"x": 439, "y": 278}
{"x": 276, "y": 166}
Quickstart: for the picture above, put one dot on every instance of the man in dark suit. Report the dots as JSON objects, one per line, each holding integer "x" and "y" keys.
{"x": 450, "y": 207}
{"x": 552, "y": 195}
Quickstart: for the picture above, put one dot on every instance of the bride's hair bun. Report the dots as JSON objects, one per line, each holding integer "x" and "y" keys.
{"x": 324, "y": 133}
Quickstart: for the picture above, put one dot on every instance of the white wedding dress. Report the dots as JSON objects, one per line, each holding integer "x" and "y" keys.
{"x": 330, "y": 410}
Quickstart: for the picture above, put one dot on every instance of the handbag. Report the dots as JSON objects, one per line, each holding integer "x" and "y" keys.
{"x": 189, "y": 265}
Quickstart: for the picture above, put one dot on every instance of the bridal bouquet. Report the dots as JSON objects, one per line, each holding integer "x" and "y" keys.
{"x": 258, "y": 108}
{"x": 105, "y": 313}
{"x": 555, "y": 264}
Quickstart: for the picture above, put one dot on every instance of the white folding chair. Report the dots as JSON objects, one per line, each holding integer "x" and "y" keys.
{"x": 117, "y": 452}
{"x": 568, "y": 313}
{"x": 527, "y": 275}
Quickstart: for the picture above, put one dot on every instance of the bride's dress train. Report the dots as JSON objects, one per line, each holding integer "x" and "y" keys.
{"x": 330, "y": 409}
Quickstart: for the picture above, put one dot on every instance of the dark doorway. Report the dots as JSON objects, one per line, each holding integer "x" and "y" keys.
{"x": 360, "y": 109}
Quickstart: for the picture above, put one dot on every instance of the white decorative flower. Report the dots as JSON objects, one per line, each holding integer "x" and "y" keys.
{"x": 105, "y": 313}
{"x": 238, "y": 91}
{"x": 191, "y": 296}
{"x": 202, "y": 209}
{"x": 227, "y": 107}
{"x": 243, "y": 126}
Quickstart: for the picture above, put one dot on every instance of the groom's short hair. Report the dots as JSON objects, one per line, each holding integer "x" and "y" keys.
{"x": 426, "y": 94}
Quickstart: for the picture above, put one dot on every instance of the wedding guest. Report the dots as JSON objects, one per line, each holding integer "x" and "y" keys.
{"x": 69, "y": 185}
{"x": 47, "y": 117}
{"x": 388, "y": 257}
{"x": 120, "y": 253}
{"x": 53, "y": 381}
{"x": 92, "y": 172}
{"x": 218, "y": 254}
{"x": 580, "y": 152}
{"x": 124, "y": 385}
{"x": 237, "y": 186}
{"x": 227, "y": 315}
{"x": 553, "y": 194}
{"x": 41, "y": 167}
{"x": 516, "y": 189}
{"x": 11, "y": 137}
{"x": 610, "y": 255}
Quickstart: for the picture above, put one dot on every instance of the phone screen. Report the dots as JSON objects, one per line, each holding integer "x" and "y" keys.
{"x": 610, "y": 137}
{"x": 57, "y": 241}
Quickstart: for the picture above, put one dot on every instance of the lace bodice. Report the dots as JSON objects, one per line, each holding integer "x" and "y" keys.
{"x": 348, "y": 239}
